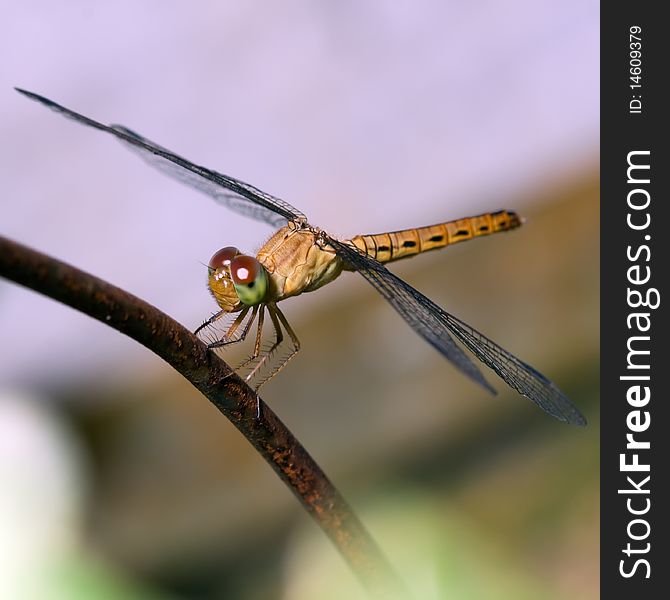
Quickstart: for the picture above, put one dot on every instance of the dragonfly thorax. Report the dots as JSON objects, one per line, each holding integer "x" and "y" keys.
{"x": 297, "y": 261}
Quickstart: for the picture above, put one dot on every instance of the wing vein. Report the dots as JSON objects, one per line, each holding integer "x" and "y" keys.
{"x": 437, "y": 326}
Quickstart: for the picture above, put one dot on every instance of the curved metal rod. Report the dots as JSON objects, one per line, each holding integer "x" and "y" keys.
{"x": 219, "y": 383}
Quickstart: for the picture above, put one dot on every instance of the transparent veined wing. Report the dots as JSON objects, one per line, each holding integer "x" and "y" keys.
{"x": 437, "y": 326}
{"x": 236, "y": 195}
{"x": 273, "y": 211}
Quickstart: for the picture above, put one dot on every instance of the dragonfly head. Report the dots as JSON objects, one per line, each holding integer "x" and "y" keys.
{"x": 236, "y": 279}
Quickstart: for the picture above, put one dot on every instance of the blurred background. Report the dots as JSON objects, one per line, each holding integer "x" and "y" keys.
{"x": 117, "y": 480}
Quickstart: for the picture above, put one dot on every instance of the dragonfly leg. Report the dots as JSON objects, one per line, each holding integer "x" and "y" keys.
{"x": 208, "y": 322}
{"x": 262, "y": 359}
{"x": 294, "y": 340}
{"x": 229, "y": 337}
{"x": 278, "y": 319}
{"x": 257, "y": 344}
{"x": 259, "y": 358}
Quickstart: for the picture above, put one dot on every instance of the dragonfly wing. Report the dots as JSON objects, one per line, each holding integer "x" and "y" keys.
{"x": 273, "y": 210}
{"x": 435, "y": 325}
{"x": 408, "y": 302}
{"x": 232, "y": 193}
{"x": 517, "y": 374}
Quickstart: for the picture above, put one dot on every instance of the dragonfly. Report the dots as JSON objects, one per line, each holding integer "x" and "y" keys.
{"x": 302, "y": 258}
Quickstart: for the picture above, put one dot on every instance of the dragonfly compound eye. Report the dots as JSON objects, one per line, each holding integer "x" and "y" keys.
{"x": 223, "y": 257}
{"x": 249, "y": 278}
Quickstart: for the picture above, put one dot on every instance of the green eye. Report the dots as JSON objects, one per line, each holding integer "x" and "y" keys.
{"x": 249, "y": 278}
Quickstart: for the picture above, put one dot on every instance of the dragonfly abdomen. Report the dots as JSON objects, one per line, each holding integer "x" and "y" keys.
{"x": 394, "y": 245}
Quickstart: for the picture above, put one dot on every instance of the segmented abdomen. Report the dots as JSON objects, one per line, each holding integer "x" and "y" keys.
{"x": 394, "y": 245}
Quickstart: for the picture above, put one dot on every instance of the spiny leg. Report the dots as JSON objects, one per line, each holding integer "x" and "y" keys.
{"x": 294, "y": 339}
{"x": 257, "y": 344}
{"x": 212, "y": 319}
{"x": 279, "y": 338}
{"x": 258, "y": 357}
{"x": 278, "y": 319}
{"x": 254, "y": 356}
{"x": 227, "y": 338}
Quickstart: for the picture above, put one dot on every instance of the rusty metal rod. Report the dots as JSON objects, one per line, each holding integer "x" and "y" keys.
{"x": 218, "y": 382}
